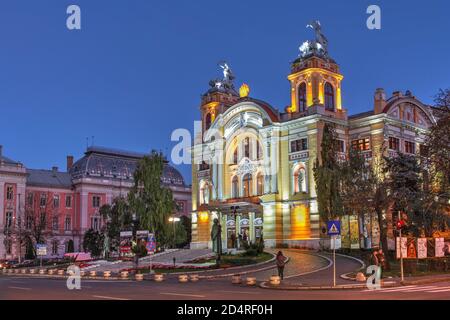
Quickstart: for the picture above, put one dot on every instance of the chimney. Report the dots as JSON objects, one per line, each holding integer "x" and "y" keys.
{"x": 379, "y": 100}
{"x": 69, "y": 163}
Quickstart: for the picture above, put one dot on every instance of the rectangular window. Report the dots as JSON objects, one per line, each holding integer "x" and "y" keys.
{"x": 341, "y": 145}
{"x": 54, "y": 247}
{"x": 95, "y": 201}
{"x": 68, "y": 202}
{"x": 9, "y": 193}
{"x": 361, "y": 144}
{"x": 410, "y": 147}
{"x": 247, "y": 147}
{"x": 55, "y": 201}
{"x": 29, "y": 222}
{"x": 43, "y": 201}
{"x": 30, "y": 198}
{"x": 95, "y": 223}
{"x": 299, "y": 145}
{"x": 55, "y": 223}
{"x": 9, "y": 219}
{"x": 394, "y": 143}
{"x": 67, "y": 224}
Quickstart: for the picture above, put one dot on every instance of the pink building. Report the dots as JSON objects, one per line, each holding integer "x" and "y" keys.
{"x": 67, "y": 203}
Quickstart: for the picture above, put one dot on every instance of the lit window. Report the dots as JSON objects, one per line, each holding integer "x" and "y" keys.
{"x": 235, "y": 187}
{"x": 329, "y": 97}
{"x": 247, "y": 181}
{"x": 361, "y": 144}
{"x": 260, "y": 183}
{"x": 302, "y": 97}
{"x": 235, "y": 156}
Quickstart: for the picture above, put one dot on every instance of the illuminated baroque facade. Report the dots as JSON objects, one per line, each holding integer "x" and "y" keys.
{"x": 253, "y": 165}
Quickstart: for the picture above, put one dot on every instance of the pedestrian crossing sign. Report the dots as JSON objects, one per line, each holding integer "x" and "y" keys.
{"x": 334, "y": 228}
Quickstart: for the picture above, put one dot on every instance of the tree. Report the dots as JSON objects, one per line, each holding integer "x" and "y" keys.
{"x": 327, "y": 176}
{"x": 150, "y": 199}
{"x": 118, "y": 217}
{"x": 93, "y": 242}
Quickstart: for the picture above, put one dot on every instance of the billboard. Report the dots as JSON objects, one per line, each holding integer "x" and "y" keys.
{"x": 126, "y": 238}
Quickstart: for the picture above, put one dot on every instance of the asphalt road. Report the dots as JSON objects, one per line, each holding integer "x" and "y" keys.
{"x": 34, "y": 288}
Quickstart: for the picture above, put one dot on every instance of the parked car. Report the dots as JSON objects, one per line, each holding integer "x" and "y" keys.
{"x": 8, "y": 263}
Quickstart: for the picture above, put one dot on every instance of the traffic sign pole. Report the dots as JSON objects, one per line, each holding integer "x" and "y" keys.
{"x": 334, "y": 261}
{"x": 400, "y": 246}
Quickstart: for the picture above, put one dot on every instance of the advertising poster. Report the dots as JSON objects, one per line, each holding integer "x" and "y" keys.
{"x": 422, "y": 248}
{"x": 354, "y": 233}
{"x": 412, "y": 252}
{"x": 404, "y": 247}
{"x": 440, "y": 245}
{"x": 345, "y": 233}
{"x": 126, "y": 238}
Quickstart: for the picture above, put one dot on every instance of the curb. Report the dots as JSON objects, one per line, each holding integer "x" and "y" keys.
{"x": 425, "y": 281}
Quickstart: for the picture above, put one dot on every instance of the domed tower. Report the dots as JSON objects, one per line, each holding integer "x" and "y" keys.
{"x": 315, "y": 77}
{"x": 219, "y": 97}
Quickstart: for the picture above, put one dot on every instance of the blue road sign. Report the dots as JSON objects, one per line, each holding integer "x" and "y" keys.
{"x": 333, "y": 228}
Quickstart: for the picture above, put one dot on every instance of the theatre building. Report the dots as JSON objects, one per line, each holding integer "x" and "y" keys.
{"x": 69, "y": 201}
{"x": 253, "y": 164}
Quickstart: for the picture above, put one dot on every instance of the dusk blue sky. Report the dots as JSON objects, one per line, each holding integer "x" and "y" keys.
{"x": 136, "y": 70}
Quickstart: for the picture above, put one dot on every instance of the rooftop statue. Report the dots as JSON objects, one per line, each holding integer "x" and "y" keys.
{"x": 319, "y": 45}
{"x": 227, "y": 82}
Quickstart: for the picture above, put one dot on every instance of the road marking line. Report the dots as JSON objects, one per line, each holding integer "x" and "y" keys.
{"x": 19, "y": 288}
{"x": 422, "y": 289}
{"x": 182, "y": 294}
{"x": 109, "y": 298}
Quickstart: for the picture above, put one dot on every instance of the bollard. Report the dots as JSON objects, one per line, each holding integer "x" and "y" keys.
{"x": 236, "y": 279}
{"x": 32, "y": 271}
{"x": 194, "y": 277}
{"x": 93, "y": 273}
{"x": 139, "y": 276}
{"x": 183, "y": 278}
{"x": 16, "y": 270}
{"x": 23, "y": 271}
{"x": 251, "y": 281}
{"x": 159, "y": 277}
{"x": 41, "y": 271}
{"x": 107, "y": 274}
{"x": 61, "y": 272}
{"x": 275, "y": 280}
{"x": 124, "y": 274}
{"x": 51, "y": 271}
{"x": 82, "y": 273}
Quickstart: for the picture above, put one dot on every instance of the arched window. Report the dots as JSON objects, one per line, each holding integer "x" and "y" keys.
{"x": 247, "y": 147}
{"x": 300, "y": 180}
{"x": 247, "y": 184}
{"x": 259, "y": 150}
{"x": 302, "y": 97}
{"x": 329, "y": 97}
{"x": 207, "y": 121}
{"x": 260, "y": 184}
{"x": 235, "y": 156}
{"x": 235, "y": 187}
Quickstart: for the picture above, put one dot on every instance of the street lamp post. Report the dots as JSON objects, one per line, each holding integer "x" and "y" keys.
{"x": 174, "y": 220}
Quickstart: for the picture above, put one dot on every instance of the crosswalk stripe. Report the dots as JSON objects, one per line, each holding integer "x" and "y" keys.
{"x": 440, "y": 289}
{"x": 421, "y": 289}
{"x": 391, "y": 289}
